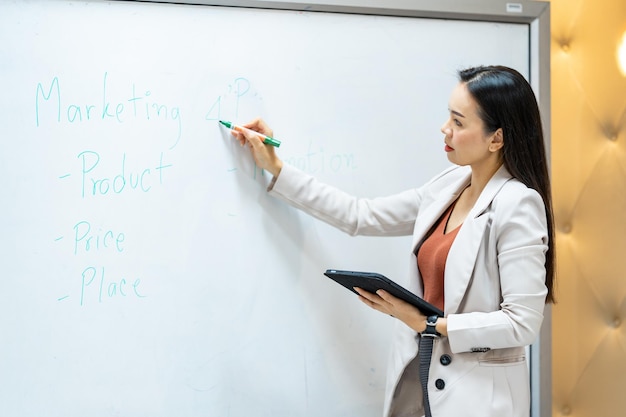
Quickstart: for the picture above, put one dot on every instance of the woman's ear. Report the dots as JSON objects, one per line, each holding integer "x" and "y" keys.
{"x": 497, "y": 141}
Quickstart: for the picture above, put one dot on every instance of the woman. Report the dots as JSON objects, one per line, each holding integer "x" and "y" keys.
{"x": 483, "y": 251}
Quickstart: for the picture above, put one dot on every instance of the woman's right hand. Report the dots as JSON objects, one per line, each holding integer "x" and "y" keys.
{"x": 264, "y": 155}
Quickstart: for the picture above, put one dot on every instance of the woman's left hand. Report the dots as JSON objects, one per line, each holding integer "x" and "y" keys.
{"x": 388, "y": 304}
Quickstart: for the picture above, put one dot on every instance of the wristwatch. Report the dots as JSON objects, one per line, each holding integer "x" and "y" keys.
{"x": 430, "y": 330}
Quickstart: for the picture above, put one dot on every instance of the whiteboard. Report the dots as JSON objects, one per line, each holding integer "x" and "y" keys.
{"x": 145, "y": 271}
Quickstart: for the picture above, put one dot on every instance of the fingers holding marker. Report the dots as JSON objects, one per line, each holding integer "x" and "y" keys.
{"x": 252, "y": 136}
{"x": 257, "y": 127}
{"x": 254, "y": 140}
{"x": 262, "y": 146}
{"x": 260, "y": 126}
{"x": 239, "y": 137}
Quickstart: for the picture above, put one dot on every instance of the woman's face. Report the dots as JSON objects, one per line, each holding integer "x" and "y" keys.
{"x": 466, "y": 142}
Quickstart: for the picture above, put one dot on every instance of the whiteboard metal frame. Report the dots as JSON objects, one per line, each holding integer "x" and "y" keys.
{"x": 536, "y": 14}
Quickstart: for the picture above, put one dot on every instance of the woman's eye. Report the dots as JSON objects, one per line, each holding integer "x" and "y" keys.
{"x": 457, "y": 122}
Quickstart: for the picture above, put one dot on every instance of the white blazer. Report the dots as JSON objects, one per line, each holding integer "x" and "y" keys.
{"x": 494, "y": 286}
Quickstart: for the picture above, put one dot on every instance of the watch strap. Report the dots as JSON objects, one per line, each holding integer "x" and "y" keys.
{"x": 431, "y": 330}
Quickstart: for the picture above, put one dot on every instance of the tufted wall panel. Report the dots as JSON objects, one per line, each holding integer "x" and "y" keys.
{"x": 589, "y": 189}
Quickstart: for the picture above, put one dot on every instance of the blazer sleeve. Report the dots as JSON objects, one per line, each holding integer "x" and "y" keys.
{"x": 383, "y": 216}
{"x": 519, "y": 231}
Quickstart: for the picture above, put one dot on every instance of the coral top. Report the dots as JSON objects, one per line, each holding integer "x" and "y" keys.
{"x": 431, "y": 260}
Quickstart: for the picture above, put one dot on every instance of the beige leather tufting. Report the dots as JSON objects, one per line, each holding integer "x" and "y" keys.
{"x": 589, "y": 188}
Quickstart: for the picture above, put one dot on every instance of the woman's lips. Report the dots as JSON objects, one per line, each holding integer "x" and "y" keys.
{"x": 448, "y": 149}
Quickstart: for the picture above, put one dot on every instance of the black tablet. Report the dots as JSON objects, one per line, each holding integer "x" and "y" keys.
{"x": 372, "y": 282}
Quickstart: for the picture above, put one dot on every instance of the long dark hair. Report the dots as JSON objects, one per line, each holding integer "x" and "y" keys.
{"x": 506, "y": 100}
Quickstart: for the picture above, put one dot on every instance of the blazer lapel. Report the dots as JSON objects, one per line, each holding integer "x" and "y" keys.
{"x": 464, "y": 250}
{"x": 433, "y": 211}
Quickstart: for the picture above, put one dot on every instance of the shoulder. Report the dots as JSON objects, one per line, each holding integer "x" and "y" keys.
{"x": 505, "y": 192}
{"x": 509, "y": 202}
{"x": 519, "y": 215}
{"x": 515, "y": 194}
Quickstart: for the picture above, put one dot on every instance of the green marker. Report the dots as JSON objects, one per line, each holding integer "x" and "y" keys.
{"x": 266, "y": 139}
